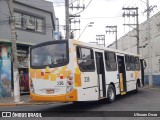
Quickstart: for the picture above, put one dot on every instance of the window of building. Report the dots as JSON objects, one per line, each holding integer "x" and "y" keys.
{"x": 132, "y": 63}
{"x": 110, "y": 59}
{"x": 18, "y": 19}
{"x": 29, "y": 22}
{"x": 85, "y": 59}
{"x": 127, "y": 61}
{"x": 137, "y": 63}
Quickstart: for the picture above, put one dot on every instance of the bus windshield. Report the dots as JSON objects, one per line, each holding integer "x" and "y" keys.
{"x": 53, "y": 54}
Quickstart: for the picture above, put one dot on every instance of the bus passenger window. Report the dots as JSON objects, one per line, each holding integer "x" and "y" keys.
{"x": 78, "y": 52}
{"x": 110, "y": 59}
{"x": 137, "y": 63}
{"x": 132, "y": 63}
{"x": 127, "y": 61}
{"x": 85, "y": 59}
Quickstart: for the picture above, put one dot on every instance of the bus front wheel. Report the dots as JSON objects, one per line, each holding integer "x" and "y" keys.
{"x": 111, "y": 94}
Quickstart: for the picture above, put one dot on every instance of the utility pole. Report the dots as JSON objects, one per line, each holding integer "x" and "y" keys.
{"x": 74, "y": 18}
{"x": 112, "y": 29}
{"x": 149, "y": 47}
{"x": 72, "y": 30}
{"x": 133, "y": 14}
{"x": 67, "y": 19}
{"x": 100, "y": 38}
{"x": 14, "y": 53}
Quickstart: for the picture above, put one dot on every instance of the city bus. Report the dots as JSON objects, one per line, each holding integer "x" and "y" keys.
{"x": 73, "y": 71}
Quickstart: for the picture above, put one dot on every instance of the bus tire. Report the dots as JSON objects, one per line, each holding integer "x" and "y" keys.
{"x": 111, "y": 94}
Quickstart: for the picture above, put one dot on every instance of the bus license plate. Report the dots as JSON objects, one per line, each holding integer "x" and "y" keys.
{"x": 49, "y": 91}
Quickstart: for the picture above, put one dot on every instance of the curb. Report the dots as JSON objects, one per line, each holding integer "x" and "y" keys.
{"x": 19, "y": 104}
{"x": 8, "y": 104}
{"x": 153, "y": 88}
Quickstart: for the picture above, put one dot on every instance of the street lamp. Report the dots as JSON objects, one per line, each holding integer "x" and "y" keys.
{"x": 90, "y": 24}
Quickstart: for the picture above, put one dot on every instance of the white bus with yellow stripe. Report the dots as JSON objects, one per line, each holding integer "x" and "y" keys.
{"x": 70, "y": 71}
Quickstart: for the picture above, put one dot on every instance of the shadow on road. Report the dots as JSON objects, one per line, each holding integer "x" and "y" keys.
{"x": 87, "y": 106}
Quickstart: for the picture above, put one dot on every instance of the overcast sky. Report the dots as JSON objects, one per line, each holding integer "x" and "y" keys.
{"x": 103, "y": 13}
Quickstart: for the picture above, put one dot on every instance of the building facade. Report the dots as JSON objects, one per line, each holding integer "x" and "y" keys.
{"x": 35, "y": 23}
{"x": 129, "y": 44}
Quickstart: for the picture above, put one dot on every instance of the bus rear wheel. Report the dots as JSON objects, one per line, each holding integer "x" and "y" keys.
{"x": 111, "y": 95}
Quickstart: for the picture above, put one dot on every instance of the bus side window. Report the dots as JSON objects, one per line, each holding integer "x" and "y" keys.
{"x": 132, "y": 61}
{"x": 110, "y": 60}
{"x": 127, "y": 61}
{"x": 85, "y": 59}
{"x": 137, "y": 63}
{"x": 78, "y": 52}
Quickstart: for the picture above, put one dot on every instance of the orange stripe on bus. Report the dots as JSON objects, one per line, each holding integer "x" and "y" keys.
{"x": 121, "y": 82}
{"x": 47, "y": 98}
{"x": 77, "y": 80}
{"x": 72, "y": 96}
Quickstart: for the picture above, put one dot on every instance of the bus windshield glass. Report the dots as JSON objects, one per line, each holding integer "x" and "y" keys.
{"x": 52, "y": 54}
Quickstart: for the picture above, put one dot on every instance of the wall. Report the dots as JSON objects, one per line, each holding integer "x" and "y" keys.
{"x": 25, "y": 36}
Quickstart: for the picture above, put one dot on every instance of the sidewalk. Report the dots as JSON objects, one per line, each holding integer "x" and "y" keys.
{"x": 25, "y": 100}
{"x": 9, "y": 101}
{"x": 153, "y": 87}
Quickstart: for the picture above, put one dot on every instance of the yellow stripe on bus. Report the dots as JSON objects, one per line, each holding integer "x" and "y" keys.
{"x": 53, "y": 77}
{"x": 121, "y": 82}
{"x": 136, "y": 74}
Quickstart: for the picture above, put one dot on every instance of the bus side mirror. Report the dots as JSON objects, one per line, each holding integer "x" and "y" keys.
{"x": 144, "y": 64}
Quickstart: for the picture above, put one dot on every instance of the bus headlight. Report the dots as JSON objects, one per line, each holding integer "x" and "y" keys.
{"x": 31, "y": 86}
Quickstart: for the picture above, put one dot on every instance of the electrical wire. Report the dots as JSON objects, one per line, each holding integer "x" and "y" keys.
{"x": 100, "y": 17}
{"x": 4, "y": 13}
{"x": 72, "y": 2}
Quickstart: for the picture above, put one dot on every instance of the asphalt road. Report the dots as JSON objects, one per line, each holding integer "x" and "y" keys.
{"x": 144, "y": 100}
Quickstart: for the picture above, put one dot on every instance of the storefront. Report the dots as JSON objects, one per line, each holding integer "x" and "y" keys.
{"x": 6, "y": 69}
{"x": 23, "y": 65}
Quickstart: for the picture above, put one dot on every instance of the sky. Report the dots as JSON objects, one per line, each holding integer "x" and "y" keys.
{"x": 103, "y": 13}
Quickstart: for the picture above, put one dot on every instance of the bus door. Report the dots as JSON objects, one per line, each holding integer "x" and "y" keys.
{"x": 122, "y": 74}
{"x": 101, "y": 74}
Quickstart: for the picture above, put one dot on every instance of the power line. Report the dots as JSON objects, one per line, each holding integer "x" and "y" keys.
{"x": 101, "y": 17}
{"x": 72, "y": 2}
{"x": 4, "y": 14}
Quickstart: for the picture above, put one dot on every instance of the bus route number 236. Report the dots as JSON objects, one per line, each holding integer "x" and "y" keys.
{"x": 60, "y": 83}
{"x": 86, "y": 79}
